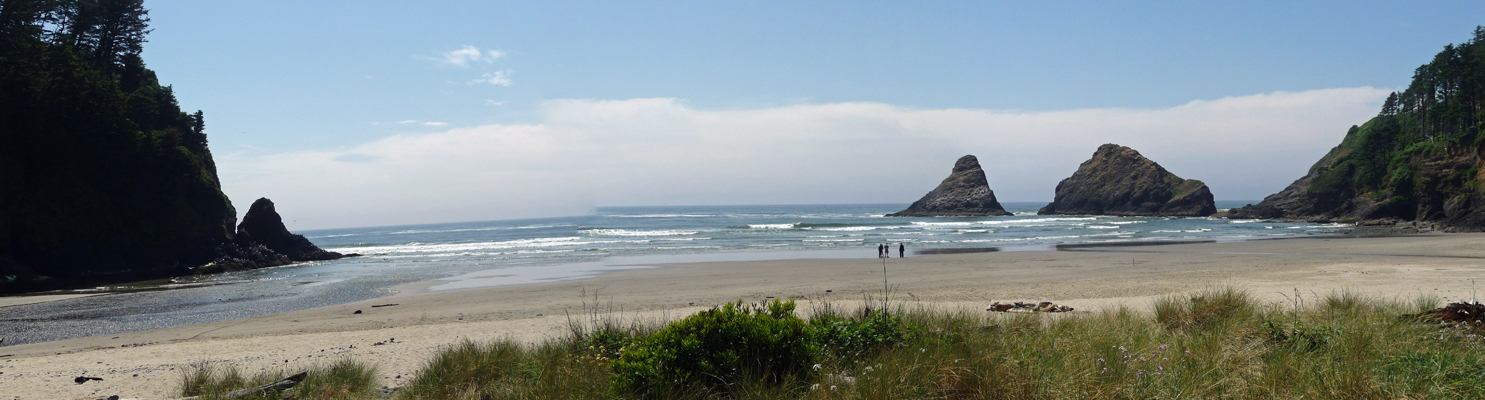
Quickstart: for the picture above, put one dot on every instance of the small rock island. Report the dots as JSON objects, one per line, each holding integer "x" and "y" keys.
{"x": 263, "y": 225}
{"x": 965, "y": 193}
{"x": 1119, "y": 181}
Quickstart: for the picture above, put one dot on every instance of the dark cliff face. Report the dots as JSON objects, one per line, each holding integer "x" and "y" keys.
{"x": 1353, "y": 183}
{"x": 964, "y": 193}
{"x": 262, "y": 225}
{"x": 103, "y": 178}
{"x": 1120, "y": 181}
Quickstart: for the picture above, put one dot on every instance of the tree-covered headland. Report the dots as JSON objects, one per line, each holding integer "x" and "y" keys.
{"x": 1417, "y": 160}
{"x": 103, "y": 178}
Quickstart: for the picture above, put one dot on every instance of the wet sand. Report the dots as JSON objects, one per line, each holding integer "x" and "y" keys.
{"x": 24, "y": 300}
{"x": 147, "y": 364}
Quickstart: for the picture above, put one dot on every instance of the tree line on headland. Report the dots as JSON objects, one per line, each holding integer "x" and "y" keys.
{"x": 103, "y": 178}
{"x": 1417, "y": 160}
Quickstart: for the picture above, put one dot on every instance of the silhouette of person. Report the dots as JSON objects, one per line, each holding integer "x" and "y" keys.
{"x": 879, "y": 251}
{"x": 901, "y": 249}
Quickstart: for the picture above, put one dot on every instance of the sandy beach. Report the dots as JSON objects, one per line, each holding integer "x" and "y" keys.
{"x": 148, "y": 364}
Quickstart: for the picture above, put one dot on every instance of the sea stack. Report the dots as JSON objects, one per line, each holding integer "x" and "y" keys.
{"x": 262, "y": 225}
{"x": 1120, "y": 181}
{"x": 965, "y": 193}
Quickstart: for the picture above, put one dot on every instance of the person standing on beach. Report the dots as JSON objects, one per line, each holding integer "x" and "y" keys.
{"x": 901, "y": 249}
{"x": 879, "y": 251}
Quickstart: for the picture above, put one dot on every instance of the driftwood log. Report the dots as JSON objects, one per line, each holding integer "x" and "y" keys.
{"x": 282, "y": 384}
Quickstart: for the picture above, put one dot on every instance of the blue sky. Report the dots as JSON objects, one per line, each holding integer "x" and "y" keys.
{"x": 582, "y": 104}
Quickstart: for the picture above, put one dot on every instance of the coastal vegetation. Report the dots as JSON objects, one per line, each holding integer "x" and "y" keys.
{"x": 105, "y": 176}
{"x": 342, "y": 379}
{"x": 1214, "y": 343}
{"x": 1417, "y": 160}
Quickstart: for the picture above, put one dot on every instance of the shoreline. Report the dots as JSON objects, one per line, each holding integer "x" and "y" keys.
{"x": 1400, "y": 268}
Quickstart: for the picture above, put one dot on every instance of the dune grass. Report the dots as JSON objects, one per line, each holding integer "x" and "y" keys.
{"x": 343, "y": 379}
{"x": 1210, "y": 344}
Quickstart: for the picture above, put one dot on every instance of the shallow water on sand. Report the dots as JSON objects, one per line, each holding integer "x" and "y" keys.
{"x": 492, "y": 253}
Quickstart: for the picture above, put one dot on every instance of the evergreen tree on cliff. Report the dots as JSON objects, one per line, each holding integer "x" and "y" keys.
{"x": 104, "y": 177}
{"x": 1417, "y": 160}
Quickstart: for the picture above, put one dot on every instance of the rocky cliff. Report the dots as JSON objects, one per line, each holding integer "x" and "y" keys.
{"x": 1120, "y": 181}
{"x": 1419, "y": 159}
{"x": 964, "y": 193}
{"x": 103, "y": 178}
{"x": 262, "y": 225}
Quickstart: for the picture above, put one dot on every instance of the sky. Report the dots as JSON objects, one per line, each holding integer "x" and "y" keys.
{"x": 370, "y": 113}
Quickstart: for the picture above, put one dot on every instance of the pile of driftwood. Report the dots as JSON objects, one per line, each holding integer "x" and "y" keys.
{"x": 1045, "y": 306}
{"x": 281, "y": 385}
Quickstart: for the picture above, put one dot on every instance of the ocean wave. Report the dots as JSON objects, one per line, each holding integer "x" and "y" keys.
{"x": 1182, "y": 231}
{"x": 770, "y": 226}
{"x": 921, "y": 223}
{"x": 416, "y": 247}
{"x": 834, "y": 240}
{"x": 1102, "y": 227}
{"x": 820, "y": 225}
{"x": 1035, "y": 220}
{"x": 975, "y": 231}
{"x": 857, "y": 228}
{"x": 631, "y": 232}
{"x": 1053, "y": 237}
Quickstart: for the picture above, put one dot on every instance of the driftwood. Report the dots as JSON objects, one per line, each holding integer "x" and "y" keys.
{"x": 283, "y": 384}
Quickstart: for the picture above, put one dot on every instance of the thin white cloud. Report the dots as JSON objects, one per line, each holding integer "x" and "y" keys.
{"x": 497, "y": 78}
{"x": 494, "y": 103}
{"x": 467, "y": 55}
{"x": 413, "y": 121}
{"x": 583, "y": 153}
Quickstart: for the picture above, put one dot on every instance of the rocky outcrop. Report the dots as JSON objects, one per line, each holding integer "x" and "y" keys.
{"x": 1349, "y": 185}
{"x": 262, "y": 225}
{"x": 965, "y": 193}
{"x": 1120, "y": 181}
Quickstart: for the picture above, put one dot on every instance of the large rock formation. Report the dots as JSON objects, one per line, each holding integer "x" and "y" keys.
{"x": 262, "y": 225}
{"x": 1120, "y": 181}
{"x": 965, "y": 193}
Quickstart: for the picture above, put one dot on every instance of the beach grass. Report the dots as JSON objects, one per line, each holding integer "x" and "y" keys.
{"x": 1213, "y": 343}
{"x": 1209, "y": 344}
{"x": 342, "y": 379}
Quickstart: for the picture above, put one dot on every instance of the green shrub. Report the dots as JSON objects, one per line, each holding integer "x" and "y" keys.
{"x": 850, "y": 338}
{"x": 608, "y": 343}
{"x": 716, "y": 349}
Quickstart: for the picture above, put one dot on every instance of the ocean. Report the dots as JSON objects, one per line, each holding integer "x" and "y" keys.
{"x": 491, "y": 253}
